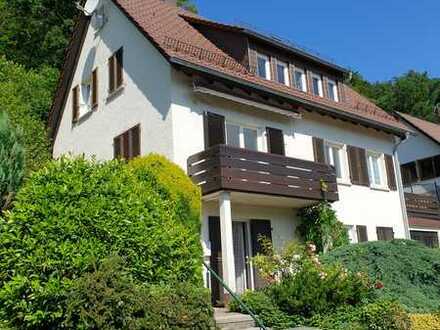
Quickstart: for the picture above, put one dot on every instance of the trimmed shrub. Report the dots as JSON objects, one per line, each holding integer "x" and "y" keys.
{"x": 379, "y": 315}
{"x": 320, "y": 226}
{"x": 268, "y": 312}
{"x": 74, "y": 213}
{"x": 172, "y": 184}
{"x": 108, "y": 299}
{"x": 425, "y": 321}
{"x": 11, "y": 162}
{"x": 410, "y": 272}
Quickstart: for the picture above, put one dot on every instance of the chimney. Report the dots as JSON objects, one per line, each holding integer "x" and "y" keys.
{"x": 171, "y": 2}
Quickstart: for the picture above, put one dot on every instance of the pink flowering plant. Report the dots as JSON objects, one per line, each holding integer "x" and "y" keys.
{"x": 301, "y": 285}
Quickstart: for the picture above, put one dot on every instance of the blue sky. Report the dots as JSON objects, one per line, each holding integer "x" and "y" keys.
{"x": 379, "y": 38}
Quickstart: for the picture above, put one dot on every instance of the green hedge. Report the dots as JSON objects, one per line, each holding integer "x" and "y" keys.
{"x": 74, "y": 213}
{"x": 108, "y": 299}
{"x": 409, "y": 271}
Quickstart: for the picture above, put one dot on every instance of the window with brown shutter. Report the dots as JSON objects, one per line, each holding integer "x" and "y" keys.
{"x": 389, "y": 164}
{"x": 275, "y": 141}
{"x": 95, "y": 88}
{"x": 127, "y": 145}
{"x": 214, "y": 129}
{"x": 385, "y": 233}
{"x": 318, "y": 150}
{"x": 362, "y": 235}
{"x": 75, "y": 104}
{"x": 357, "y": 162}
{"x": 116, "y": 70}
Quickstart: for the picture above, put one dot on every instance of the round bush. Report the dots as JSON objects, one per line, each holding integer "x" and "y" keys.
{"x": 76, "y": 212}
{"x": 410, "y": 272}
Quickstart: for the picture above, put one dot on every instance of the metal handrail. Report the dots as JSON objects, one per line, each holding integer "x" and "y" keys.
{"x": 236, "y": 297}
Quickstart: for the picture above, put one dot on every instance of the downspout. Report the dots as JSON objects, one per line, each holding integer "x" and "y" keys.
{"x": 400, "y": 184}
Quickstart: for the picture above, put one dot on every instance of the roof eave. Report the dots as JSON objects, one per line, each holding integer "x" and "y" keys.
{"x": 323, "y": 109}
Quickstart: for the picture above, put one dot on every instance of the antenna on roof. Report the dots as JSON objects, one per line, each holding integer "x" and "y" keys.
{"x": 89, "y": 8}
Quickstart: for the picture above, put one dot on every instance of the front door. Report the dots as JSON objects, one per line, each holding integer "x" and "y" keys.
{"x": 239, "y": 231}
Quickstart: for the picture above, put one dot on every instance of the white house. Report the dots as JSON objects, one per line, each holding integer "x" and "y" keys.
{"x": 420, "y": 159}
{"x": 263, "y": 127}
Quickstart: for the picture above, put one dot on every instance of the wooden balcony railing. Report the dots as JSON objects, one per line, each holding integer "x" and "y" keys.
{"x": 227, "y": 168}
{"x": 422, "y": 205}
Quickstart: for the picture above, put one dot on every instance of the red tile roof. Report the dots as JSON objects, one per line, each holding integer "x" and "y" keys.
{"x": 164, "y": 25}
{"x": 430, "y": 129}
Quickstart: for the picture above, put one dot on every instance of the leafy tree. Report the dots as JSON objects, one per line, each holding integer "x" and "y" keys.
{"x": 414, "y": 93}
{"x": 188, "y": 5}
{"x": 26, "y": 96}
{"x": 11, "y": 162}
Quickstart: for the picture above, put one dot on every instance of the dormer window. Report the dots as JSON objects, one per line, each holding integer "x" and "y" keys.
{"x": 282, "y": 73}
{"x": 263, "y": 66}
{"x": 317, "y": 85}
{"x": 299, "y": 77}
{"x": 332, "y": 90}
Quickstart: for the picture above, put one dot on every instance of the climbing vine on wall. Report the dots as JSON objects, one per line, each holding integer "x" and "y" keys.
{"x": 320, "y": 225}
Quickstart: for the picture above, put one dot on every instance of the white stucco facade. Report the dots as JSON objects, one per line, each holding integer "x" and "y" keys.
{"x": 170, "y": 114}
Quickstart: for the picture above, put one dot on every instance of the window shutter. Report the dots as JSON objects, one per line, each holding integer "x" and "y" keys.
{"x": 362, "y": 235}
{"x": 214, "y": 129}
{"x": 318, "y": 150}
{"x": 385, "y": 233}
{"x": 135, "y": 142}
{"x": 259, "y": 228}
{"x": 364, "y": 177}
{"x": 275, "y": 141}
{"x": 95, "y": 88}
{"x": 119, "y": 67}
{"x": 357, "y": 161}
{"x": 216, "y": 258}
{"x": 117, "y": 147}
{"x": 126, "y": 145}
{"x": 75, "y": 104}
{"x": 111, "y": 74}
{"x": 389, "y": 163}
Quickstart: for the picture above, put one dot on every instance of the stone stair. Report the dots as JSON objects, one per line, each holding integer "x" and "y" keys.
{"x": 226, "y": 320}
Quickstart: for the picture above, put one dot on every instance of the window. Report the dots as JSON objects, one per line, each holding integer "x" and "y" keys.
{"x": 282, "y": 73}
{"x": 332, "y": 90}
{"x": 335, "y": 156}
{"x": 351, "y": 233}
{"x": 127, "y": 145}
{"x": 263, "y": 66}
{"x": 375, "y": 169}
{"x": 115, "y": 70}
{"x": 299, "y": 77}
{"x": 241, "y": 137}
{"x": 385, "y": 233}
{"x": 317, "y": 85}
{"x": 362, "y": 235}
{"x": 428, "y": 238}
{"x": 409, "y": 173}
{"x": 426, "y": 167}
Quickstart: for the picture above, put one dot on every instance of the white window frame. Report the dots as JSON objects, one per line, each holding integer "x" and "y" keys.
{"x": 285, "y": 71}
{"x": 345, "y": 177}
{"x": 303, "y": 79}
{"x": 267, "y": 66}
{"x": 260, "y": 142}
{"x": 85, "y": 103}
{"x": 320, "y": 90}
{"x": 382, "y": 170}
{"x": 334, "y": 88}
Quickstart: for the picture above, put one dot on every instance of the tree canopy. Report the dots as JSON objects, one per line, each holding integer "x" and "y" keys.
{"x": 415, "y": 93}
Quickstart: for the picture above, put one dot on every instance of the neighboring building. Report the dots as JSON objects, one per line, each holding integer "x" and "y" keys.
{"x": 420, "y": 165}
{"x": 263, "y": 127}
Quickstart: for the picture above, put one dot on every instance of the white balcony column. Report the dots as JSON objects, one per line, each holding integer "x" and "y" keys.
{"x": 227, "y": 240}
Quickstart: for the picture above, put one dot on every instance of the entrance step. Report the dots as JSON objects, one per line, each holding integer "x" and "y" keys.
{"x": 226, "y": 320}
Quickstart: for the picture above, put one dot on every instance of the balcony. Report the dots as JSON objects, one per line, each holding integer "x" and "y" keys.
{"x": 233, "y": 169}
